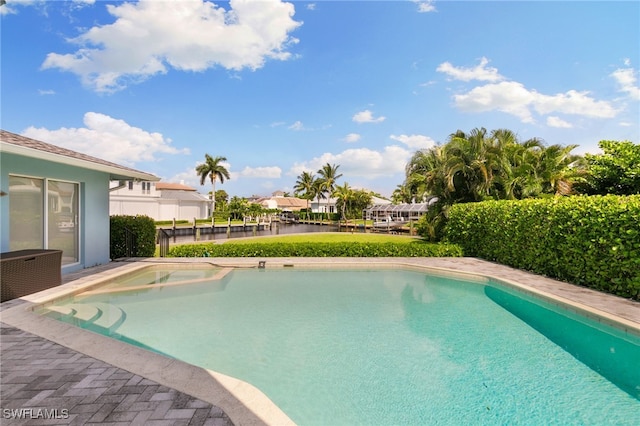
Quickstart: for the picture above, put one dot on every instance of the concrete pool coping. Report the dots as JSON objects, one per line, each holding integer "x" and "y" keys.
{"x": 243, "y": 403}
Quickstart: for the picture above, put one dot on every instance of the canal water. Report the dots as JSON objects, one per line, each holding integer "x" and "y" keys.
{"x": 276, "y": 229}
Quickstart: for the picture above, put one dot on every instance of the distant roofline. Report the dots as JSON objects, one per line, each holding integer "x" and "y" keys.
{"x": 32, "y": 148}
{"x": 170, "y": 186}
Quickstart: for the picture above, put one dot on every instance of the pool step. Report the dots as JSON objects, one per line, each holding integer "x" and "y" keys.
{"x": 101, "y": 317}
{"x": 110, "y": 317}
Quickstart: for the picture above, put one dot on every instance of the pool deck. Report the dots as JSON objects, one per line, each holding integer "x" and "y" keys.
{"x": 46, "y": 364}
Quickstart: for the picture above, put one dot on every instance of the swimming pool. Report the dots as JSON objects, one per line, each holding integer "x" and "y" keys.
{"x": 383, "y": 346}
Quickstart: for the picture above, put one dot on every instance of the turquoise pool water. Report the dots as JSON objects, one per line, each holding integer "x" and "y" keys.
{"x": 384, "y": 347}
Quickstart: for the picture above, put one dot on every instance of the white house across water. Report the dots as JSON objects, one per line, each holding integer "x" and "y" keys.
{"x": 158, "y": 200}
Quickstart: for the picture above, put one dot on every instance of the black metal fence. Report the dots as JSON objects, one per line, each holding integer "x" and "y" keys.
{"x": 163, "y": 241}
{"x": 131, "y": 242}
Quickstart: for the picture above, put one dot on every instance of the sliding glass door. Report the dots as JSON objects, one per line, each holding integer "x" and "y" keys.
{"x": 43, "y": 213}
{"x": 26, "y": 213}
{"x": 62, "y": 219}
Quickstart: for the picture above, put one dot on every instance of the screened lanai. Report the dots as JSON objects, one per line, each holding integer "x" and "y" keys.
{"x": 398, "y": 212}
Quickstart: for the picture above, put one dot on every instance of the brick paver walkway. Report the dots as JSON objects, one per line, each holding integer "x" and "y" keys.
{"x": 39, "y": 379}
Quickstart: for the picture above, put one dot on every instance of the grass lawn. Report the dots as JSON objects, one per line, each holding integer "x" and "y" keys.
{"x": 328, "y": 237}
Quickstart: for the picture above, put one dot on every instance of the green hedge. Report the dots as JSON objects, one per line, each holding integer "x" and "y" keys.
{"x": 302, "y": 249}
{"x": 589, "y": 241}
{"x": 144, "y": 229}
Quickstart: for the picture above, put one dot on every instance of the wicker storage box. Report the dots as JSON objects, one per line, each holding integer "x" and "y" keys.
{"x": 25, "y": 272}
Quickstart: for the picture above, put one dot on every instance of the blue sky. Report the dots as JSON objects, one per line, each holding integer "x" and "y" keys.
{"x": 282, "y": 87}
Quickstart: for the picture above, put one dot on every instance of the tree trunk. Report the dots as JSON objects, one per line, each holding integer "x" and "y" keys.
{"x": 213, "y": 202}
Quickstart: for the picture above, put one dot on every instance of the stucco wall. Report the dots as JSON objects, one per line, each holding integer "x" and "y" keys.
{"x": 158, "y": 208}
{"x": 94, "y": 204}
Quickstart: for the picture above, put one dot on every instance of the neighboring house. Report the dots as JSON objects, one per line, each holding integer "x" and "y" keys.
{"x": 323, "y": 205}
{"x": 280, "y": 202}
{"x": 398, "y": 212}
{"x": 55, "y": 198}
{"x": 158, "y": 200}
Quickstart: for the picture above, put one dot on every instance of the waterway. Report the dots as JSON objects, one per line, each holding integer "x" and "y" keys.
{"x": 249, "y": 231}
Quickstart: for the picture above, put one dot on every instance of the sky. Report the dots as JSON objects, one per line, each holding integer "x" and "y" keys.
{"x": 282, "y": 87}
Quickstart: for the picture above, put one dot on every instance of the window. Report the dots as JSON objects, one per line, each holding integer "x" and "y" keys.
{"x": 37, "y": 224}
{"x": 130, "y": 185}
{"x": 26, "y": 210}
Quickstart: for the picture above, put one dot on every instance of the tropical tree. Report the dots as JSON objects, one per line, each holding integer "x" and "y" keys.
{"x": 361, "y": 200}
{"x": 472, "y": 161}
{"x": 483, "y": 165}
{"x": 306, "y": 187}
{"x": 254, "y": 210}
{"x": 238, "y": 207}
{"x": 214, "y": 170}
{"x": 344, "y": 195}
{"x": 616, "y": 170}
{"x": 402, "y": 194}
{"x": 426, "y": 174}
{"x": 327, "y": 181}
{"x": 222, "y": 199}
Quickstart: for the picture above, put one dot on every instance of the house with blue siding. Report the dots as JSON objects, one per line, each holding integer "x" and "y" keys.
{"x": 56, "y": 198}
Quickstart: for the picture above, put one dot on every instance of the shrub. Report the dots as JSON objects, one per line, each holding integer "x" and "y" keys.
{"x": 311, "y": 249}
{"x": 589, "y": 241}
{"x": 144, "y": 230}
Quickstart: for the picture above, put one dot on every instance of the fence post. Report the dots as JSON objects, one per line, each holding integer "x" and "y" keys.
{"x": 163, "y": 241}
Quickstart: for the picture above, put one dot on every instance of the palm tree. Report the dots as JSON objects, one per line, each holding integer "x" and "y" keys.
{"x": 472, "y": 161}
{"x": 553, "y": 168}
{"x": 328, "y": 177}
{"x": 305, "y": 187}
{"x": 402, "y": 194}
{"x": 426, "y": 174}
{"x": 212, "y": 169}
{"x": 344, "y": 194}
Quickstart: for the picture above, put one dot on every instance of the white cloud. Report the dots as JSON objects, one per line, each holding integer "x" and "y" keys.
{"x": 261, "y": 172}
{"x": 362, "y": 162}
{"x": 311, "y": 6}
{"x": 553, "y": 121}
{"x": 509, "y": 97}
{"x": 573, "y": 102}
{"x": 366, "y": 116}
{"x": 46, "y": 92}
{"x": 626, "y": 79}
{"x": 190, "y": 177}
{"x": 108, "y": 138}
{"x": 515, "y": 99}
{"x": 480, "y": 72}
{"x": 352, "y": 137}
{"x": 425, "y": 6}
{"x": 150, "y": 36}
{"x": 297, "y": 126}
{"x": 415, "y": 141}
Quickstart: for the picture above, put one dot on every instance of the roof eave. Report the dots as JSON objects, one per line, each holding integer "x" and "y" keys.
{"x": 115, "y": 173}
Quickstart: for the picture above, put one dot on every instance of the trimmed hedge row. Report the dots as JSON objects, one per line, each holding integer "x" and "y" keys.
{"x": 144, "y": 229}
{"x": 590, "y": 241}
{"x": 304, "y": 249}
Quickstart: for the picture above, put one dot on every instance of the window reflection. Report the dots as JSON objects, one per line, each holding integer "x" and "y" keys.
{"x": 26, "y": 213}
